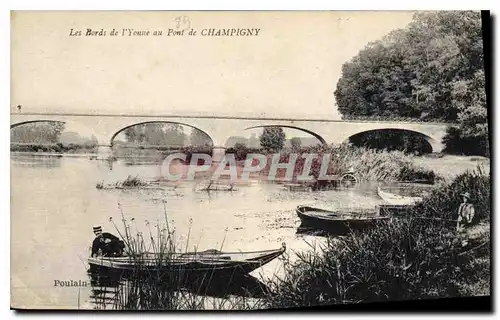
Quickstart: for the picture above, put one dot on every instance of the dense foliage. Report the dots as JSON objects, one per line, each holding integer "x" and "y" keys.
{"x": 156, "y": 133}
{"x": 433, "y": 70}
{"x": 56, "y": 148}
{"x": 241, "y": 151}
{"x": 457, "y": 142}
{"x": 199, "y": 138}
{"x": 272, "y": 139}
{"x": 295, "y": 142}
{"x": 447, "y": 199}
{"x": 392, "y": 139}
{"x": 37, "y": 132}
{"x": 369, "y": 165}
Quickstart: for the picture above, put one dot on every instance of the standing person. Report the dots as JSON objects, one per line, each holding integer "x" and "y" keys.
{"x": 466, "y": 212}
{"x": 110, "y": 245}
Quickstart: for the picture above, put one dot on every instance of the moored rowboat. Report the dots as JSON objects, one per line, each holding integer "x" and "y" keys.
{"x": 338, "y": 221}
{"x": 396, "y": 199}
{"x": 193, "y": 262}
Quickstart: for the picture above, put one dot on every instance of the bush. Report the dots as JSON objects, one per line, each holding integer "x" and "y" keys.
{"x": 133, "y": 182}
{"x": 410, "y": 173}
{"x": 400, "y": 260}
{"x": 455, "y": 143}
{"x": 393, "y": 139}
{"x": 368, "y": 164}
{"x": 444, "y": 202}
{"x": 240, "y": 151}
{"x": 295, "y": 142}
{"x": 190, "y": 150}
{"x": 272, "y": 138}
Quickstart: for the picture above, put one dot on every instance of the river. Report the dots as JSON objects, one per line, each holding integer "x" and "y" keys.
{"x": 55, "y": 204}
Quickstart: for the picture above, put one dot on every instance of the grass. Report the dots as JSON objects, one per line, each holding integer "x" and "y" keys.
{"x": 129, "y": 182}
{"x": 133, "y": 182}
{"x": 55, "y": 148}
{"x": 450, "y": 166}
{"x": 369, "y": 165}
{"x": 379, "y": 165}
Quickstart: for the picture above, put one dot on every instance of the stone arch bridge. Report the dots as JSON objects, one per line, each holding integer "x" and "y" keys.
{"x": 219, "y": 128}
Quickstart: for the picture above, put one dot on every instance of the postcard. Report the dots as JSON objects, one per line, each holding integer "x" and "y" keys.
{"x": 248, "y": 160}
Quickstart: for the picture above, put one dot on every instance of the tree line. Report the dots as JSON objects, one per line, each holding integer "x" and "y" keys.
{"x": 37, "y": 132}
{"x": 432, "y": 70}
{"x": 161, "y": 134}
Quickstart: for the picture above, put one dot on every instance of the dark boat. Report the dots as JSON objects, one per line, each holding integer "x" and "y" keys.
{"x": 340, "y": 221}
{"x": 210, "y": 261}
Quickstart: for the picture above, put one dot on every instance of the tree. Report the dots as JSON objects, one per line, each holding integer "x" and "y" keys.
{"x": 174, "y": 134}
{"x": 37, "y": 132}
{"x": 156, "y": 134}
{"x": 253, "y": 142}
{"x": 93, "y": 141}
{"x": 272, "y": 139}
{"x": 134, "y": 134}
{"x": 411, "y": 73}
{"x": 433, "y": 70}
{"x": 199, "y": 138}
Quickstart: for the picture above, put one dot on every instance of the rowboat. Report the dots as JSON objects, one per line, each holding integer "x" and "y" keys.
{"x": 396, "y": 199}
{"x": 338, "y": 221}
{"x": 209, "y": 261}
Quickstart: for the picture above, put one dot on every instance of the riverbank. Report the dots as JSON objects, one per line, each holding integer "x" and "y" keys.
{"x": 404, "y": 259}
{"x": 258, "y": 216}
{"x": 450, "y": 166}
{"x": 57, "y": 148}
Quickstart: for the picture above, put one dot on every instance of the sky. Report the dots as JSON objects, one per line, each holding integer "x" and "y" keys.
{"x": 289, "y": 70}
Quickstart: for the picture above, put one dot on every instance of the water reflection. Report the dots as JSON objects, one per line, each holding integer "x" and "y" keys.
{"x": 304, "y": 229}
{"x": 63, "y": 195}
{"x": 112, "y": 288}
{"x": 35, "y": 161}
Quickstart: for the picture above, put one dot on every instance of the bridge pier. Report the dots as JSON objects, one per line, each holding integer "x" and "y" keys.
{"x": 218, "y": 154}
{"x": 104, "y": 152}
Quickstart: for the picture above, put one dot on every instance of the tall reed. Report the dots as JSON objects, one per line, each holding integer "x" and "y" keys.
{"x": 150, "y": 287}
{"x": 368, "y": 164}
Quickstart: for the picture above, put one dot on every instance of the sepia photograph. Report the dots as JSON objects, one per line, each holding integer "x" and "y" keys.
{"x": 249, "y": 160}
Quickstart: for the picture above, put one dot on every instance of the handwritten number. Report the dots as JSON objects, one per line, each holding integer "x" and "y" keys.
{"x": 183, "y": 23}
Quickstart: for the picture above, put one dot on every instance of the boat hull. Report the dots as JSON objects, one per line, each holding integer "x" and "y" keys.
{"x": 189, "y": 263}
{"x": 335, "y": 222}
{"x": 398, "y": 200}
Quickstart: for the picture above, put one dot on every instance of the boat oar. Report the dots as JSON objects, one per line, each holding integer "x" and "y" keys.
{"x": 441, "y": 219}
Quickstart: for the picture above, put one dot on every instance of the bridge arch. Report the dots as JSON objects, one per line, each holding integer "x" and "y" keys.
{"x": 157, "y": 121}
{"x": 432, "y": 144}
{"x": 314, "y": 134}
